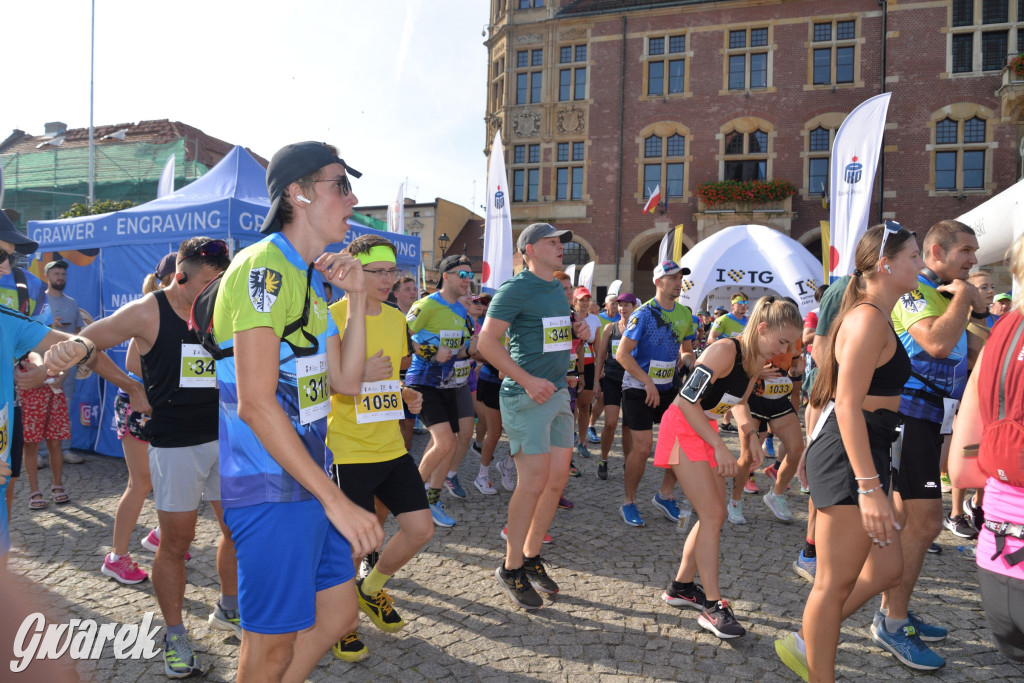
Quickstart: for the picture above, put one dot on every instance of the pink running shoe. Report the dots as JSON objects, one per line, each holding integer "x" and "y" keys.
{"x": 750, "y": 487}
{"x": 124, "y": 570}
{"x": 772, "y": 472}
{"x": 504, "y": 536}
{"x": 152, "y": 542}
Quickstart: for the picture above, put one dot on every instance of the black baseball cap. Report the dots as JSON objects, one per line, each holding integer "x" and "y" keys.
{"x": 538, "y": 231}
{"x": 290, "y": 163}
{"x": 9, "y": 233}
{"x": 450, "y": 263}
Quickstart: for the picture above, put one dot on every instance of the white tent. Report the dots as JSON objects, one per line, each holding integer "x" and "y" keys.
{"x": 997, "y": 223}
{"x": 741, "y": 257}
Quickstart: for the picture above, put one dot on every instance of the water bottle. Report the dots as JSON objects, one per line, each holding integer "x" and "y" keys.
{"x": 685, "y": 516}
{"x": 966, "y": 550}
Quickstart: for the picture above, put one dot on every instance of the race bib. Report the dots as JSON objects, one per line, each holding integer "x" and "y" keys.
{"x": 313, "y": 387}
{"x": 724, "y": 404}
{"x": 572, "y": 363}
{"x": 662, "y": 371}
{"x": 588, "y": 352}
{"x": 460, "y": 374}
{"x": 379, "y": 402}
{"x": 777, "y": 387}
{"x": 451, "y": 339}
{"x": 615, "y": 347}
{"x": 198, "y": 369}
{"x": 950, "y": 406}
{"x": 557, "y": 333}
{"x": 5, "y": 434}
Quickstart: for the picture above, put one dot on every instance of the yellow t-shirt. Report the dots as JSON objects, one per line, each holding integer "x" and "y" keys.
{"x": 364, "y": 428}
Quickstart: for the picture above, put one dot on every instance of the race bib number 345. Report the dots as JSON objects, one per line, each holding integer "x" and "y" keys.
{"x": 557, "y": 334}
{"x": 313, "y": 387}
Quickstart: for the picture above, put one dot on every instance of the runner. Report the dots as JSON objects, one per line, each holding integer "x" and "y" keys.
{"x": 270, "y": 311}
{"x": 363, "y": 437}
{"x": 690, "y": 445}
{"x": 439, "y": 371}
{"x": 535, "y": 411}
{"x": 581, "y": 300}
{"x": 181, "y": 385}
{"x": 609, "y": 373}
{"x": 730, "y": 324}
{"x": 656, "y": 345}
{"x": 403, "y": 295}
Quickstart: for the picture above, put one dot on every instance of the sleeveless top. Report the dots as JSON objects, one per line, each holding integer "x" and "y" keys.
{"x": 180, "y": 384}
{"x": 612, "y": 368}
{"x": 890, "y": 378}
{"x": 725, "y": 392}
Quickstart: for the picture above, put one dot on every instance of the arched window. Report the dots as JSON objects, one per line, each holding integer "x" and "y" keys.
{"x": 962, "y": 148}
{"x": 663, "y": 160}
{"x": 574, "y": 252}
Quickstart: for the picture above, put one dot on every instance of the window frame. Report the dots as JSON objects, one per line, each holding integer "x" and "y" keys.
{"x": 969, "y": 41}
{"x": 572, "y": 77}
{"x": 670, "y": 167}
{"x": 529, "y": 76}
{"x": 667, "y": 61}
{"x": 526, "y": 159}
{"x": 747, "y": 54}
{"x": 960, "y": 157}
{"x": 833, "y": 47}
{"x": 571, "y": 187}
{"x": 746, "y": 127}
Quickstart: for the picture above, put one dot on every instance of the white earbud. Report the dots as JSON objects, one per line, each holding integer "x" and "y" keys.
{"x": 887, "y": 269}
{"x": 303, "y": 199}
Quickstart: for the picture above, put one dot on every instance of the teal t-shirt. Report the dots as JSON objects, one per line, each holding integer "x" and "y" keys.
{"x": 540, "y": 330}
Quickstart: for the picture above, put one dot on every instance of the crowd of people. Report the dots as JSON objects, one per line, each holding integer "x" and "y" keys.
{"x": 250, "y": 388}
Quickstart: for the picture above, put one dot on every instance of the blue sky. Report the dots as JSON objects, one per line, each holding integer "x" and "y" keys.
{"x": 398, "y": 85}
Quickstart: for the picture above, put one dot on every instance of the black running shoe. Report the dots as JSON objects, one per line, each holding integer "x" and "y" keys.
{"x": 727, "y": 427}
{"x": 719, "y": 620}
{"x": 602, "y": 469}
{"x": 518, "y": 587}
{"x": 959, "y": 526}
{"x": 974, "y": 514}
{"x": 677, "y": 598}
{"x": 538, "y": 576}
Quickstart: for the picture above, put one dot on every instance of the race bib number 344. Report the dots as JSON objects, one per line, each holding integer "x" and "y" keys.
{"x": 313, "y": 387}
{"x": 557, "y": 334}
{"x": 198, "y": 370}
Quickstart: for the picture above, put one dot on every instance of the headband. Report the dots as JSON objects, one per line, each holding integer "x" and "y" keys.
{"x": 379, "y": 252}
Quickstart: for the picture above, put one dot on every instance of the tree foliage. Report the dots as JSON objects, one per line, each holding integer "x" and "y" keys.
{"x": 102, "y": 206}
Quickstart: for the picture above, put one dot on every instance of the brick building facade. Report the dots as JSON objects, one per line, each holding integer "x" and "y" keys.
{"x": 599, "y": 100}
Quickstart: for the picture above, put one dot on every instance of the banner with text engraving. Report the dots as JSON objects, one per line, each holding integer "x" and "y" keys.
{"x": 498, "y": 225}
{"x": 855, "y": 154}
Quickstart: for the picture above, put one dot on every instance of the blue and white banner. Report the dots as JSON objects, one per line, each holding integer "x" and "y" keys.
{"x": 498, "y": 223}
{"x": 855, "y": 154}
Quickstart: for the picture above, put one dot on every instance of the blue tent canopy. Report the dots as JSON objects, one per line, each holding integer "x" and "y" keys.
{"x": 229, "y": 202}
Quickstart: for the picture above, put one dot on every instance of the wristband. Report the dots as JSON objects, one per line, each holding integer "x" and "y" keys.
{"x": 88, "y": 349}
{"x": 875, "y": 476}
{"x": 864, "y": 493}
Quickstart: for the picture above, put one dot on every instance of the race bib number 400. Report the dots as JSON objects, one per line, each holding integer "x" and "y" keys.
{"x": 379, "y": 402}
{"x": 662, "y": 371}
{"x": 557, "y": 333}
{"x": 314, "y": 388}
{"x": 198, "y": 370}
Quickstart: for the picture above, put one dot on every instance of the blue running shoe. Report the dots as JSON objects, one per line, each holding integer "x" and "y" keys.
{"x": 454, "y": 487}
{"x": 769, "y": 447}
{"x": 667, "y": 506}
{"x": 907, "y": 647}
{"x": 592, "y": 435}
{"x": 631, "y": 515}
{"x": 926, "y": 632}
{"x": 805, "y": 566}
{"x": 441, "y": 517}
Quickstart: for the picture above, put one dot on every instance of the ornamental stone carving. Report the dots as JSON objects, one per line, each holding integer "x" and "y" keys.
{"x": 573, "y": 34}
{"x": 570, "y": 121}
{"x": 529, "y": 38}
{"x": 526, "y": 124}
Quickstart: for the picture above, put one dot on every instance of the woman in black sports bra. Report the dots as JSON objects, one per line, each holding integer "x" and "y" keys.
{"x": 849, "y": 458}
{"x": 689, "y": 443}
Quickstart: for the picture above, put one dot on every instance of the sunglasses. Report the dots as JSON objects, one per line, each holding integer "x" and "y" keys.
{"x": 891, "y": 228}
{"x": 341, "y": 184}
{"x": 4, "y": 255}
{"x": 215, "y": 249}
{"x": 463, "y": 274}
{"x": 741, "y": 302}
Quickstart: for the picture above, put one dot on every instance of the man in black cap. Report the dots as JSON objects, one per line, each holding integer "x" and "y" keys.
{"x": 532, "y": 309}
{"x": 66, "y": 318}
{"x": 274, "y": 400}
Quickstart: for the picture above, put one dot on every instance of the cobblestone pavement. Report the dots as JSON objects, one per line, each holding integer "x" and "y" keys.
{"x": 608, "y": 623}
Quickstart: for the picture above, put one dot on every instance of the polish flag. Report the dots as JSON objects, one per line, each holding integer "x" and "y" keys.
{"x": 654, "y": 200}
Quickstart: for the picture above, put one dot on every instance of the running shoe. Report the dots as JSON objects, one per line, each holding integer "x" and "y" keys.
{"x": 350, "y": 648}
{"x": 935, "y": 549}
{"x": 679, "y": 598}
{"x": 602, "y": 469}
{"x": 367, "y": 565}
{"x": 926, "y": 632}
{"x": 518, "y": 587}
{"x": 804, "y": 489}
{"x": 124, "y": 570}
{"x": 573, "y": 470}
{"x": 152, "y": 542}
{"x": 593, "y": 436}
{"x": 959, "y": 526}
{"x": 667, "y": 506}
{"x": 772, "y": 471}
{"x": 735, "y": 512}
{"x": 441, "y": 518}
{"x": 727, "y": 427}
{"x": 789, "y": 653}
{"x": 631, "y": 515}
{"x": 380, "y": 608}
{"x": 974, "y": 514}
{"x": 720, "y": 620}
{"x": 454, "y": 487}
{"x": 750, "y": 487}
{"x": 777, "y": 504}
{"x": 945, "y": 483}
{"x": 477, "y": 448}
{"x": 581, "y": 450}
{"x": 179, "y": 659}
{"x": 538, "y": 576}
{"x": 907, "y": 647}
{"x": 507, "y": 469}
{"x": 769, "y": 447}
{"x": 483, "y": 485}
{"x": 225, "y": 620}
{"x": 805, "y": 566}
{"x": 565, "y": 504}
{"x": 504, "y": 536}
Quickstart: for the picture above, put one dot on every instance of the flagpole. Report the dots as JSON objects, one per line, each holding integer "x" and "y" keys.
{"x": 92, "y": 63}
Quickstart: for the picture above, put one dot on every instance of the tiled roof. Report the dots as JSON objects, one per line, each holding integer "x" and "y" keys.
{"x": 199, "y": 146}
{"x": 577, "y": 7}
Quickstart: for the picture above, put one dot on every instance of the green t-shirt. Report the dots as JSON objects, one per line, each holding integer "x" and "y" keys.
{"x": 828, "y": 307}
{"x": 539, "y": 332}
{"x": 729, "y": 326}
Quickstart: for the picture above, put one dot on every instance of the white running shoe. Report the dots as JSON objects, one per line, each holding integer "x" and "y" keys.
{"x": 483, "y": 485}
{"x": 735, "y": 510}
{"x": 507, "y": 469}
{"x": 777, "y": 504}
